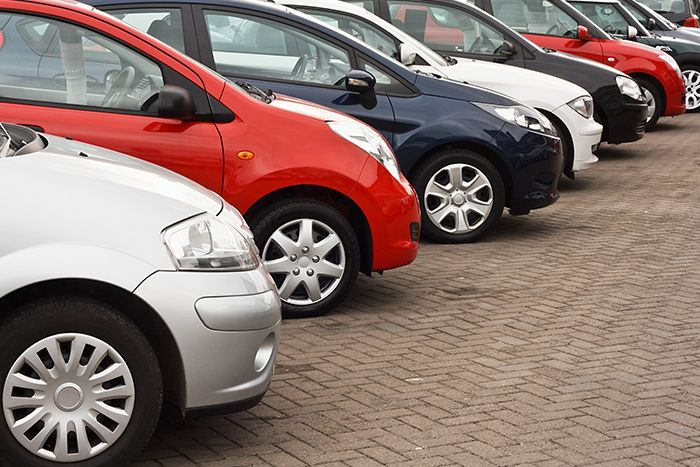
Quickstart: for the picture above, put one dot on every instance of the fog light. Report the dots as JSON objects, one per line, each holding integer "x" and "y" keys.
{"x": 264, "y": 355}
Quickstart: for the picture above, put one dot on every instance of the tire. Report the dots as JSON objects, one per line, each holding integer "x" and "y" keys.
{"x": 566, "y": 146}
{"x": 295, "y": 268}
{"x": 651, "y": 91}
{"x": 440, "y": 206}
{"x": 691, "y": 76}
{"x": 36, "y": 326}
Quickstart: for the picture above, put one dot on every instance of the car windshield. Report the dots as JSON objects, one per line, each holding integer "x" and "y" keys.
{"x": 609, "y": 17}
{"x": 643, "y": 14}
{"x": 666, "y": 6}
{"x": 535, "y": 17}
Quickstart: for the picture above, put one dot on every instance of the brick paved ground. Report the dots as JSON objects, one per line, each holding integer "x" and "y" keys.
{"x": 569, "y": 336}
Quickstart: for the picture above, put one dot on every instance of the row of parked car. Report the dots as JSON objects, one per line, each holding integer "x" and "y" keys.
{"x": 338, "y": 131}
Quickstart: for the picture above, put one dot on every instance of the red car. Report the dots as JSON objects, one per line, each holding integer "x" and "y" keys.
{"x": 557, "y": 25}
{"x": 322, "y": 191}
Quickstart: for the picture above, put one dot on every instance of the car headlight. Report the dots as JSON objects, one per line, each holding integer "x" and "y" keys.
{"x": 521, "y": 116}
{"x": 583, "y": 106}
{"x": 369, "y": 141}
{"x": 672, "y": 63}
{"x": 629, "y": 87}
{"x": 208, "y": 243}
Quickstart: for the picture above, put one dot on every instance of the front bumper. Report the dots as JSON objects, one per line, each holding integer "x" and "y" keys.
{"x": 535, "y": 161}
{"x": 585, "y": 134}
{"x": 226, "y": 328}
{"x": 624, "y": 118}
{"x": 393, "y": 215}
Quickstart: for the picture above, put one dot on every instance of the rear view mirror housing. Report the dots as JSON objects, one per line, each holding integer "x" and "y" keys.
{"x": 176, "y": 103}
{"x": 407, "y": 54}
{"x": 360, "y": 81}
{"x": 651, "y": 23}
{"x": 507, "y": 49}
{"x": 631, "y": 32}
{"x": 582, "y": 33}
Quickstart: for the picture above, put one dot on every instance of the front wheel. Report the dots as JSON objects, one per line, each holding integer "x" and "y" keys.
{"x": 461, "y": 195}
{"x": 654, "y": 100}
{"x": 691, "y": 76}
{"x": 81, "y": 385}
{"x": 312, "y": 254}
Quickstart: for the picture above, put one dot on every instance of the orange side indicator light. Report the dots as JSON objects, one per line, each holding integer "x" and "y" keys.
{"x": 245, "y": 155}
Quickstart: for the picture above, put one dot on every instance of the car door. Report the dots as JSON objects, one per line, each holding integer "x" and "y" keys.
{"x": 290, "y": 59}
{"x": 76, "y": 82}
{"x": 546, "y": 24}
{"x": 451, "y": 30}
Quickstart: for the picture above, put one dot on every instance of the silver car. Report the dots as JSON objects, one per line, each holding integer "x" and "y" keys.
{"x": 121, "y": 283}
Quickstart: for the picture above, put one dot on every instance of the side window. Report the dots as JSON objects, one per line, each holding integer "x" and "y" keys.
{"x": 164, "y": 24}
{"x": 258, "y": 47}
{"x": 366, "y": 4}
{"x": 385, "y": 82}
{"x": 535, "y": 17}
{"x": 445, "y": 28}
{"x": 61, "y": 63}
{"x": 360, "y": 29}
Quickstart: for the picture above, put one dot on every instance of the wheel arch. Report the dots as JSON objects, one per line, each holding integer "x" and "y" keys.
{"x": 339, "y": 201}
{"x": 569, "y": 164}
{"x": 144, "y": 317}
{"x": 477, "y": 148}
{"x": 656, "y": 83}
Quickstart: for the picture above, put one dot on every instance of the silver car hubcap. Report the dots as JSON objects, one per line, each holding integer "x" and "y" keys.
{"x": 68, "y": 397}
{"x": 692, "y": 89}
{"x": 306, "y": 259}
{"x": 458, "y": 198}
{"x": 651, "y": 103}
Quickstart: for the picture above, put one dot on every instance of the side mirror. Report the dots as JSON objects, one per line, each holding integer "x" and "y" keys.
{"x": 631, "y": 32}
{"x": 407, "y": 54}
{"x": 175, "y": 102}
{"x": 582, "y": 33}
{"x": 360, "y": 81}
{"x": 507, "y": 49}
{"x": 651, "y": 24}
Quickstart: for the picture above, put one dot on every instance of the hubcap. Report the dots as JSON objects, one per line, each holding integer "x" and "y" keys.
{"x": 692, "y": 89}
{"x": 306, "y": 259}
{"x": 68, "y": 397}
{"x": 651, "y": 102}
{"x": 458, "y": 198}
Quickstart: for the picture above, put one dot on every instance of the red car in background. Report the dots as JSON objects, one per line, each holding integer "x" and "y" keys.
{"x": 322, "y": 191}
{"x": 557, "y": 25}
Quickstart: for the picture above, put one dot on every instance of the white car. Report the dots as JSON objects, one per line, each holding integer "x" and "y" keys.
{"x": 568, "y": 106}
{"x": 121, "y": 284}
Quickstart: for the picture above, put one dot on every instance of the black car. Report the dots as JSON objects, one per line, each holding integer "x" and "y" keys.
{"x": 622, "y": 115}
{"x": 681, "y": 12}
{"x": 657, "y": 24}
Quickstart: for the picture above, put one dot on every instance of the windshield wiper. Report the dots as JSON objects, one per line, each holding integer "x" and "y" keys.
{"x": 256, "y": 92}
{"x": 450, "y": 60}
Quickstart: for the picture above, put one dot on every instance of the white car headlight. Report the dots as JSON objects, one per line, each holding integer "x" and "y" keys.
{"x": 629, "y": 87}
{"x": 521, "y": 116}
{"x": 672, "y": 63}
{"x": 210, "y": 244}
{"x": 583, "y": 106}
{"x": 369, "y": 141}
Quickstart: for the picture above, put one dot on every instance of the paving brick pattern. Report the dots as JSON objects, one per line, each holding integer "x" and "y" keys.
{"x": 570, "y": 336}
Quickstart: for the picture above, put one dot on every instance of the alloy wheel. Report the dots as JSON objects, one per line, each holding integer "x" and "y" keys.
{"x": 306, "y": 259}
{"x": 458, "y": 198}
{"x": 692, "y": 89}
{"x": 651, "y": 103}
{"x": 68, "y": 397}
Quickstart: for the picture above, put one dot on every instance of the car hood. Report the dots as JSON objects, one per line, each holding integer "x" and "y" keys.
{"x": 679, "y": 44}
{"x": 459, "y": 90}
{"x": 531, "y": 87}
{"x": 309, "y": 109}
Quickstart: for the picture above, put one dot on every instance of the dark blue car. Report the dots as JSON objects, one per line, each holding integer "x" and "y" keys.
{"x": 468, "y": 151}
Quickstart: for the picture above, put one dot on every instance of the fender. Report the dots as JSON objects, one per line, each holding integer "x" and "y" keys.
{"x": 60, "y": 261}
